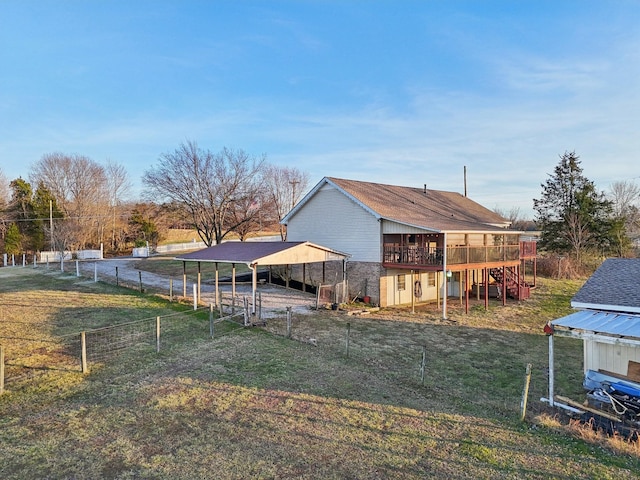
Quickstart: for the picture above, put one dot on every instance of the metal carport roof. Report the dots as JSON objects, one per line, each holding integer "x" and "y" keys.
{"x": 602, "y": 326}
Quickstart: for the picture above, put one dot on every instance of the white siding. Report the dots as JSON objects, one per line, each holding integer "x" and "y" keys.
{"x": 403, "y": 297}
{"x": 332, "y": 220}
{"x": 395, "y": 227}
{"x": 608, "y": 357}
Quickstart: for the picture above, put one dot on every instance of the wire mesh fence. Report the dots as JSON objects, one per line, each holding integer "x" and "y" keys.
{"x": 23, "y": 358}
{"x": 399, "y": 363}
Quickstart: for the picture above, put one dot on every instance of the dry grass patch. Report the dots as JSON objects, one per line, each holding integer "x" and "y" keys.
{"x": 250, "y": 404}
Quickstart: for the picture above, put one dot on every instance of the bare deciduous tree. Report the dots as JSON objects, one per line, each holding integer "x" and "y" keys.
{"x": 118, "y": 187}
{"x": 64, "y": 235}
{"x": 285, "y": 186}
{"x": 5, "y": 192}
{"x": 4, "y": 201}
{"x": 625, "y": 196}
{"x": 209, "y": 186}
{"x": 79, "y": 185}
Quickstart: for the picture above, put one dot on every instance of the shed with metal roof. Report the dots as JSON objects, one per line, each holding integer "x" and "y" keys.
{"x": 607, "y": 321}
{"x": 255, "y": 254}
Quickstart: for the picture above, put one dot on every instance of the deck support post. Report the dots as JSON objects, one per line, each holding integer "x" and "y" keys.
{"x": 466, "y": 290}
{"x": 445, "y": 279}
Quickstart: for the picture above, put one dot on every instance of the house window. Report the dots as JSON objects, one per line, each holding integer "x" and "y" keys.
{"x": 401, "y": 282}
{"x": 431, "y": 279}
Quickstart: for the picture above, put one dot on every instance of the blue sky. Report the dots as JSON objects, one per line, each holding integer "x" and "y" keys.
{"x": 400, "y": 92}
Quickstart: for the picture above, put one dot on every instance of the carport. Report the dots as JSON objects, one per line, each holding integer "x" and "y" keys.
{"x": 255, "y": 254}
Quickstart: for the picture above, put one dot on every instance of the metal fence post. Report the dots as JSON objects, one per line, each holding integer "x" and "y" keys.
{"x": 288, "y": 322}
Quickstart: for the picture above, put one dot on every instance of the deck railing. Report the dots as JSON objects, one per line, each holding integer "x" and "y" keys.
{"x": 424, "y": 256}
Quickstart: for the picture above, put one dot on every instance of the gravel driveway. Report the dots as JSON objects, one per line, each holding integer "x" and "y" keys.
{"x": 275, "y": 299}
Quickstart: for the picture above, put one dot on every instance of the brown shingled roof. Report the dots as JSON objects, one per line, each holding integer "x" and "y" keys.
{"x": 434, "y": 209}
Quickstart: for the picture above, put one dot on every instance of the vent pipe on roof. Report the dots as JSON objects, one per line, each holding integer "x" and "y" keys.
{"x": 465, "y": 180}
{"x": 425, "y": 188}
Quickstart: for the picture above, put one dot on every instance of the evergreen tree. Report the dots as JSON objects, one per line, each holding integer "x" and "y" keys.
{"x": 20, "y": 210}
{"x": 571, "y": 214}
{"x": 31, "y": 211}
{"x": 13, "y": 240}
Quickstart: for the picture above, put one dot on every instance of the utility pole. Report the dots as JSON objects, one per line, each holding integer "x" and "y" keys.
{"x": 293, "y": 192}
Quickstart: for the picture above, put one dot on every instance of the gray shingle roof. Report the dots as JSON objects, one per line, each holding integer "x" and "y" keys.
{"x": 614, "y": 286}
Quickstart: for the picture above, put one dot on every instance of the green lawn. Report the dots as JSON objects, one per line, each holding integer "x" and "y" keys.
{"x": 253, "y": 404}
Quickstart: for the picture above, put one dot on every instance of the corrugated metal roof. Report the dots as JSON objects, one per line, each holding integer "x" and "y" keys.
{"x": 597, "y": 322}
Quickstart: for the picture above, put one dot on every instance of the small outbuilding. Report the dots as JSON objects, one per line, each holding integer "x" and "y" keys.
{"x": 607, "y": 320}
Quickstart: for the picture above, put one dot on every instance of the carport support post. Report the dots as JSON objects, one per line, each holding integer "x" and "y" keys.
{"x": 199, "y": 284}
{"x": 304, "y": 277}
{"x": 233, "y": 288}
{"x": 217, "y": 286}
{"x": 286, "y": 275}
{"x": 551, "y": 368}
{"x": 254, "y": 285}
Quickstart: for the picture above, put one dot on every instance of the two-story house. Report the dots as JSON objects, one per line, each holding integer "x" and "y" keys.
{"x": 411, "y": 245}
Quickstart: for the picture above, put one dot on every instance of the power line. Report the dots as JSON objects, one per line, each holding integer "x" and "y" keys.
{"x": 46, "y": 219}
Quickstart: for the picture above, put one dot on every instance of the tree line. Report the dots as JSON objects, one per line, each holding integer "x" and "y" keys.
{"x": 583, "y": 223}
{"x": 72, "y": 202}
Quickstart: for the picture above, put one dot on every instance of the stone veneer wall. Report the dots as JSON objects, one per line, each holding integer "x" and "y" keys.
{"x": 363, "y": 277}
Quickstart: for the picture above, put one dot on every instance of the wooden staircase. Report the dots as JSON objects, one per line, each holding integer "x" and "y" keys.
{"x": 518, "y": 291}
